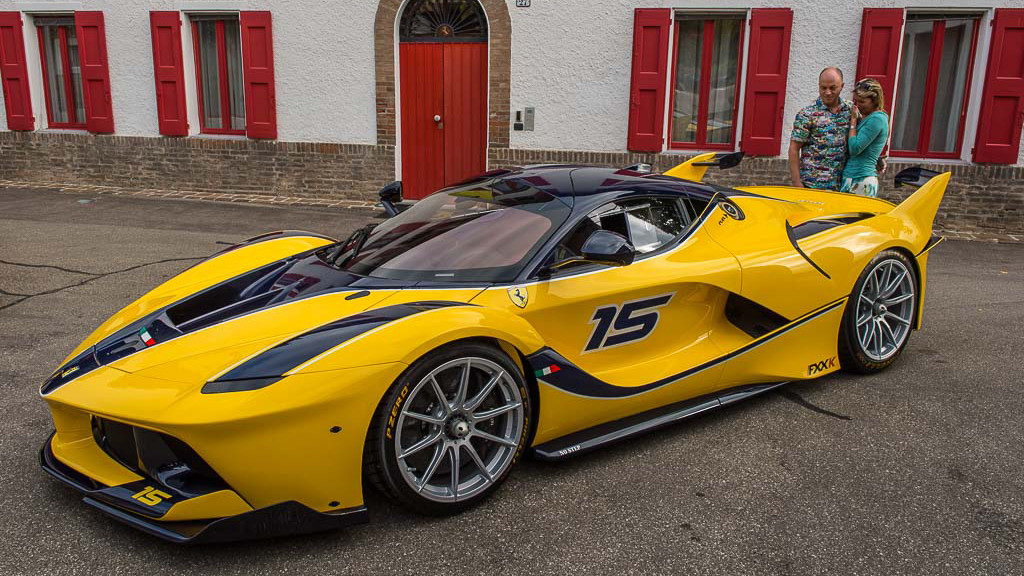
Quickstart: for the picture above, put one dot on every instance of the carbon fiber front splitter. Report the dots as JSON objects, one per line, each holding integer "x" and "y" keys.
{"x": 285, "y": 518}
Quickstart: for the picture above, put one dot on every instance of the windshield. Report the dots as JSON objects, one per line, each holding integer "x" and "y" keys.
{"x": 482, "y": 232}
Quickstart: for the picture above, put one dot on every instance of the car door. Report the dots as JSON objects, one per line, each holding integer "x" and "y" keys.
{"x": 625, "y": 332}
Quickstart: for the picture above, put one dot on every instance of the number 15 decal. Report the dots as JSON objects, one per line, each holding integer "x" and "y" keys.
{"x": 625, "y": 323}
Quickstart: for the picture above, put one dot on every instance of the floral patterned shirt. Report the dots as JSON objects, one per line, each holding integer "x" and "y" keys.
{"x": 823, "y": 154}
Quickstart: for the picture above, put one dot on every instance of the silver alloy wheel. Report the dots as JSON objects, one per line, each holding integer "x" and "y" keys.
{"x": 459, "y": 429}
{"x": 885, "y": 309}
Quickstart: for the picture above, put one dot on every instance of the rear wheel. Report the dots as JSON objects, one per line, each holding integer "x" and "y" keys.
{"x": 880, "y": 314}
{"x": 450, "y": 429}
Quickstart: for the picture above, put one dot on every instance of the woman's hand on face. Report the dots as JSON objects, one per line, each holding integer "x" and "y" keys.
{"x": 854, "y": 115}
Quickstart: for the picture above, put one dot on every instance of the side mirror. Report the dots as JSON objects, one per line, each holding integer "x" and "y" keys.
{"x": 605, "y": 247}
{"x": 391, "y": 195}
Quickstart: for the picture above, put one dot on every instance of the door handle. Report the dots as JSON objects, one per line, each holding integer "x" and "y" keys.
{"x": 437, "y": 118}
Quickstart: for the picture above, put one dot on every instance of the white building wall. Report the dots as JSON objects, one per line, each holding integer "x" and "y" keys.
{"x": 571, "y": 61}
{"x": 323, "y": 63}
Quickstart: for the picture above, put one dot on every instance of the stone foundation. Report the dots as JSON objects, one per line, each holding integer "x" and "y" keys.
{"x": 981, "y": 201}
{"x": 296, "y": 169}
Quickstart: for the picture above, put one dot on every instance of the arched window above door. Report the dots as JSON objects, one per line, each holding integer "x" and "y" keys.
{"x": 443, "y": 21}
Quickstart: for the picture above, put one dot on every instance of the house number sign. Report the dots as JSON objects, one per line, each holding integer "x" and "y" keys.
{"x": 522, "y": 3}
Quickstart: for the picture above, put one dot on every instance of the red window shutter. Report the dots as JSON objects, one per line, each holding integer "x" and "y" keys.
{"x": 169, "y": 72}
{"x": 651, "y": 30}
{"x": 881, "y": 32}
{"x": 258, "y": 72}
{"x": 1002, "y": 101}
{"x": 767, "y": 66}
{"x": 92, "y": 56}
{"x": 17, "y": 98}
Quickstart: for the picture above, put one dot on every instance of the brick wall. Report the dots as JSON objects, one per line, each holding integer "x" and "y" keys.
{"x": 980, "y": 201}
{"x": 299, "y": 169}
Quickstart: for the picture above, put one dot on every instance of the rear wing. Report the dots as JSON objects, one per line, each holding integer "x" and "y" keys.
{"x": 919, "y": 209}
{"x": 694, "y": 168}
{"x": 914, "y": 176}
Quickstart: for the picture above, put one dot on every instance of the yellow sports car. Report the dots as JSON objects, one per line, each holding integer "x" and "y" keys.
{"x": 549, "y": 309}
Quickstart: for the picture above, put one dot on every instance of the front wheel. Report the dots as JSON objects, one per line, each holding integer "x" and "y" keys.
{"x": 450, "y": 429}
{"x": 880, "y": 314}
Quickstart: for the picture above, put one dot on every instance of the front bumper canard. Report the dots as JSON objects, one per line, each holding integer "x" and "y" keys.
{"x": 280, "y": 519}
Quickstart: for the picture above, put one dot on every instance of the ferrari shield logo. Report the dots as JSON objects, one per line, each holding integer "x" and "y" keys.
{"x": 519, "y": 296}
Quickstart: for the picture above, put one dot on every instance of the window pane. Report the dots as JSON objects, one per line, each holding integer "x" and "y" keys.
{"x": 687, "y": 88}
{"x": 55, "y": 75}
{"x": 235, "y": 87}
{"x": 653, "y": 222}
{"x": 76, "y": 74}
{"x": 208, "y": 72}
{"x": 917, "y": 47}
{"x": 949, "y": 94}
{"x": 648, "y": 223}
{"x": 722, "y": 97}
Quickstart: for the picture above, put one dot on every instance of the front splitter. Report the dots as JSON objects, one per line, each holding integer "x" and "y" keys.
{"x": 282, "y": 519}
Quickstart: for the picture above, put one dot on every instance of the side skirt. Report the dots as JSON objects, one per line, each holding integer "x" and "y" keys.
{"x": 602, "y": 435}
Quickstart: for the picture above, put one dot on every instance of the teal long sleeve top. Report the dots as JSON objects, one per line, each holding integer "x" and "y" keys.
{"x": 867, "y": 145}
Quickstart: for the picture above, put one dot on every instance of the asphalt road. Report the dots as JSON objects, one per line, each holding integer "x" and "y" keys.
{"x": 918, "y": 470}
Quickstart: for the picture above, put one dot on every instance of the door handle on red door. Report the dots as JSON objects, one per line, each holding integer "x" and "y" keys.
{"x": 437, "y": 118}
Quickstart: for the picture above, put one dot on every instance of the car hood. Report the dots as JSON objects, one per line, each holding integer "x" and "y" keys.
{"x": 206, "y": 330}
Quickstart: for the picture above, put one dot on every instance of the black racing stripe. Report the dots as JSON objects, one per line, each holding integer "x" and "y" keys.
{"x": 84, "y": 363}
{"x": 792, "y": 240}
{"x": 127, "y": 341}
{"x": 287, "y": 355}
{"x": 574, "y": 380}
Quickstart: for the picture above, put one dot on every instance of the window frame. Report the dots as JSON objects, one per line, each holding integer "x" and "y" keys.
{"x": 222, "y": 74}
{"x": 708, "y": 42}
{"x": 931, "y": 87}
{"x": 681, "y": 201}
{"x": 70, "y": 97}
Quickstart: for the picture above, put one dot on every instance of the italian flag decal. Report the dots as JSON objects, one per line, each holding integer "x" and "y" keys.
{"x": 146, "y": 338}
{"x": 546, "y": 371}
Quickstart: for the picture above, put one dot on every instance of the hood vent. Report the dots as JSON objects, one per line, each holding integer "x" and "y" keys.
{"x": 236, "y": 296}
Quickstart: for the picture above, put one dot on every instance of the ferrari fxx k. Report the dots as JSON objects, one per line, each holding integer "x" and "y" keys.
{"x": 548, "y": 309}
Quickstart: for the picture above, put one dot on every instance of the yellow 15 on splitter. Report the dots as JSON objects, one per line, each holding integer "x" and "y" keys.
{"x": 550, "y": 309}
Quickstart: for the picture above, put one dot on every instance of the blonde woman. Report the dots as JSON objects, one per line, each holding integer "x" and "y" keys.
{"x": 869, "y": 129}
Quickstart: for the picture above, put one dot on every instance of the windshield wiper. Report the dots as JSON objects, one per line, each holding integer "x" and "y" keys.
{"x": 356, "y": 240}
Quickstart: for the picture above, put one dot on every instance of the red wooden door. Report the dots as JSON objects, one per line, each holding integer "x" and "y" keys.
{"x": 447, "y": 82}
{"x": 465, "y": 110}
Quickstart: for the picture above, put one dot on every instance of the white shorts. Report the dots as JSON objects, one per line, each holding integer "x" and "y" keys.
{"x": 867, "y": 186}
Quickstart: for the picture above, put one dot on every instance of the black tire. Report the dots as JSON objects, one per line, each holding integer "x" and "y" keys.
{"x": 861, "y": 349}
{"x": 413, "y": 392}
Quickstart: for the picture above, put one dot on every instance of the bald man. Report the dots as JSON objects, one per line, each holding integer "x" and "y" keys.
{"x": 817, "y": 148}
